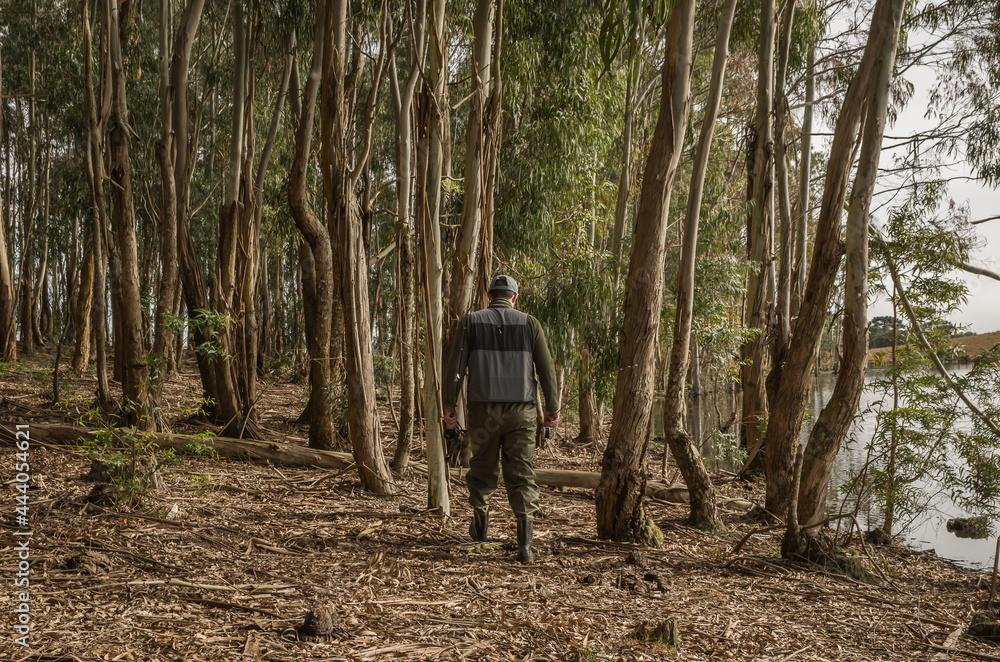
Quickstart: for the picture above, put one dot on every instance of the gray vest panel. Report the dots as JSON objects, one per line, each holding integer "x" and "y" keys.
{"x": 501, "y": 366}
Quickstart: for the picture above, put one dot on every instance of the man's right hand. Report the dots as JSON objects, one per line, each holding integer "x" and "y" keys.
{"x": 450, "y": 418}
{"x": 551, "y": 418}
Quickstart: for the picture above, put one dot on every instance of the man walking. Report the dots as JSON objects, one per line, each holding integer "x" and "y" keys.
{"x": 502, "y": 348}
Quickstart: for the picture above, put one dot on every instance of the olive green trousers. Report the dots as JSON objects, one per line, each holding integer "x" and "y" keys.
{"x": 502, "y": 434}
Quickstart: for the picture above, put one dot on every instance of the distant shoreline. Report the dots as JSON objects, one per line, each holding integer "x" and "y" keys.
{"x": 967, "y": 348}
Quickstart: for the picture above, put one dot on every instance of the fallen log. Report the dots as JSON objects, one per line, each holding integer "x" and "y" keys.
{"x": 224, "y": 446}
{"x": 310, "y": 457}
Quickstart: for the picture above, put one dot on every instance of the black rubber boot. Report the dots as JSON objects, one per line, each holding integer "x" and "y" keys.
{"x": 524, "y": 553}
{"x": 477, "y": 527}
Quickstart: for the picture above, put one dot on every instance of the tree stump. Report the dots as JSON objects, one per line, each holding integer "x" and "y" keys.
{"x": 318, "y": 626}
{"x": 664, "y": 633}
{"x": 89, "y": 563}
{"x": 145, "y": 472}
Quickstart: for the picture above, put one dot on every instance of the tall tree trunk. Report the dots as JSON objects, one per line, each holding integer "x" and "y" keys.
{"x": 8, "y": 336}
{"x": 431, "y": 110}
{"x": 760, "y": 241}
{"x": 405, "y": 299}
{"x": 784, "y": 299}
{"x": 229, "y": 376}
{"x": 129, "y": 344}
{"x": 834, "y": 421}
{"x": 166, "y": 294}
{"x": 192, "y": 279}
{"x": 624, "y": 183}
{"x": 41, "y": 279}
{"x": 490, "y": 164}
{"x": 467, "y": 239}
{"x": 316, "y": 235}
{"x": 340, "y": 178}
{"x": 84, "y": 305}
{"x": 27, "y": 276}
{"x": 684, "y": 450}
{"x": 805, "y": 174}
{"x": 96, "y": 116}
{"x": 589, "y": 412}
{"x": 620, "y": 515}
{"x": 260, "y": 338}
{"x": 790, "y": 402}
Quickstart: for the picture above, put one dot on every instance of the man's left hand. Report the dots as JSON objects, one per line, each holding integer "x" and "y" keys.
{"x": 450, "y": 418}
{"x": 551, "y": 418}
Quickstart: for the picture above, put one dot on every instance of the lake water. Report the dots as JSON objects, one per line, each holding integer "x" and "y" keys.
{"x": 926, "y": 532}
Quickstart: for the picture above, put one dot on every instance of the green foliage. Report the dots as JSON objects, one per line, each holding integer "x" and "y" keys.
{"x": 624, "y": 23}
{"x": 386, "y": 374}
{"x": 137, "y": 456}
{"x": 922, "y": 442}
{"x": 211, "y": 326}
{"x": 727, "y": 447}
{"x": 880, "y": 331}
{"x": 574, "y": 301}
{"x": 202, "y": 449}
{"x": 202, "y": 485}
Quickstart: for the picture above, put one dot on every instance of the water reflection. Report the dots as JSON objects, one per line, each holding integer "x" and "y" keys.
{"x": 714, "y": 408}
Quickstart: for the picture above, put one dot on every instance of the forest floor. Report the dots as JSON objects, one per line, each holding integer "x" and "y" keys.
{"x": 224, "y": 562}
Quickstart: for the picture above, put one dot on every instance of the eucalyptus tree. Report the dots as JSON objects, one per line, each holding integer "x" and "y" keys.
{"x": 760, "y": 238}
{"x": 129, "y": 341}
{"x": 474, "y": 233}
{"x": 620, "y": 514}
{"x": 863, "y": 106}
{"x": 683, "y": 448}
{"x": 84, "y": 304}
{"x": 239, "y": 219}
{"x": 805, "y": 175}
{"x": 8, "y": 336}
{"x": 33, "y": 188}
{"x": 783, "y": 298}
{"x": 170, "y": 56}
{"x": 185, "y": 142}
{"x": 402, "y": 99}
{"x": 317, "y": 236}
{"x": 96, "y": 116}
{"x": 834, "y": 421}
{"x": 431, "y": 148}
{"x": 343, "y": 162}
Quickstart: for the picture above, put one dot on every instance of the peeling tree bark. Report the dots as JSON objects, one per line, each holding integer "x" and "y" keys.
{"x": 319, "y": 307}
{"x": 834, "y": 421}
{"x": 784, "y": 302}
{"x": 433, "y": 107}
{"x": 340, "y": 178}
{"x": 130, "y": 343}
{"x": 620, "y": 515}
{"x": 703, "y": 513}
{"x": 96, "y": 116}
{"x": 760, "y": 241}
{"x": 8, "y": 336}
{"x": 790, "y": 401}
{"x": 805, "y": 174}
{"x": 467, "y": 241}
{"x": 405, "y": 298}
{"x": 163, "y": 338}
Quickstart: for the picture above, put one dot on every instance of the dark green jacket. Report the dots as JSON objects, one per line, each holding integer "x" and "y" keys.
{"x": 501, "y": 348}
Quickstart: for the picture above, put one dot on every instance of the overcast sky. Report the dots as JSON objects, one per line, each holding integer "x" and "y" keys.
{"x": 982, "y": 312}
